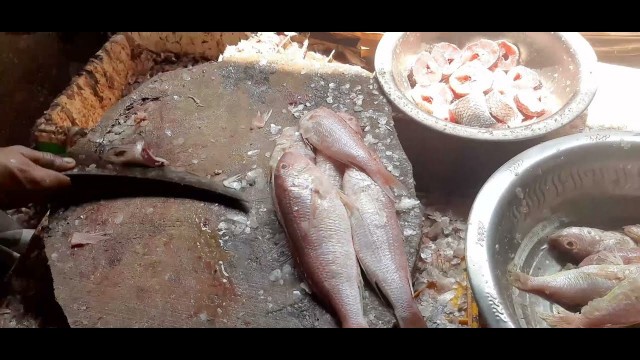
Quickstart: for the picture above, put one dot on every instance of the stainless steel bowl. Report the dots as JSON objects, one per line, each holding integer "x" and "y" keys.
{"x": 590, "y": 179}
{"x": 464, "y": 157}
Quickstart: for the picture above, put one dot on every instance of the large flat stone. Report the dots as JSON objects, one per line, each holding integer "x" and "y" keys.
{"x": 183, "y": 263}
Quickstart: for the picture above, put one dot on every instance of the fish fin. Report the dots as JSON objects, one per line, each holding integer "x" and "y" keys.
{"x": 564, "y": 320}
{"x": 609, "y": 275}
{"x": 392, "y": 183}
{"x": 348, "y": 204}
{"x": 519, "y": 280}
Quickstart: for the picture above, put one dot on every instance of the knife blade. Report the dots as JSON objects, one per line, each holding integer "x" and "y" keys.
{"x": 93, "y": 177}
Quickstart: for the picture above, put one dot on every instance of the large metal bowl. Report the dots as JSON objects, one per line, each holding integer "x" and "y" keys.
{"x": 462, "y": 157}
{"x": 590, "y": 179}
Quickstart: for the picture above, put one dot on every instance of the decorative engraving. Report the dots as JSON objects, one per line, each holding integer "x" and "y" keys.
{"x": 482, "y": 234}
{"x": 513, "y": 169}
{"x": 497, "y": 309}
{"x": 599, "y": 137}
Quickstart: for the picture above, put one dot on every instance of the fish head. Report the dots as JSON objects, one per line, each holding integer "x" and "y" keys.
{"x": 571, "y": 242}
{"x": 292, "y": 163}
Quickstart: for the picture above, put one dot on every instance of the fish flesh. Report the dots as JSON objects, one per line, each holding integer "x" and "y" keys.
{"x": 379, "y": 245}
{"x": 574, "y": 288}
{"x": 484, "y": 52}
{"x": 317, "y": 226}
{"x": 329, "y": 134}
{"x": 579, "y": 242}
{"x": 425, "y": 70}
{"x": 619, "y": 308}
{"x": 531, "y": 103}
{"x": 515, "y": 93}
{"x": 471, "y": 78}
{"x": 473, "y": 110}
{"x": 434, "y": 99}
{"x": 448, "y": 57}
{"x": 633, "y": 231}
{"x": 613, "y": 256}
{"x": 509, "y": 55}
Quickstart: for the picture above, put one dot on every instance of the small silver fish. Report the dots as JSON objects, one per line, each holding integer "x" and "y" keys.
{"x": 574, "y": 288}
{"x": 580, "y": 242}
{"x": 619, "y": 308}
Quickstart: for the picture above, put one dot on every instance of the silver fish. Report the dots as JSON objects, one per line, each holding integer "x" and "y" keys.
{"x": 379, "y": 244}
{"x": 618, "y": 308}
{"x": 317, "y": 226}
{"x": 574, "y": 288}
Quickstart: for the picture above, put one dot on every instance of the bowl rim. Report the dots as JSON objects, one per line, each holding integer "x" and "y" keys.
{"x": 490, "y": 303}
{"x": 574, "y": 107}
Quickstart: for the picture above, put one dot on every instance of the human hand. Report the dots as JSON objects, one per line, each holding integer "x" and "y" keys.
{"x": 28, "y": 175}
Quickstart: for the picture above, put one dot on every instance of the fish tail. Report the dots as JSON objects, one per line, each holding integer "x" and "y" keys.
{"x": 412, "y": 319}
{"x": 564, "y": 320}
{"x": 388, "y": 183}
{"x": 520, "y": 280}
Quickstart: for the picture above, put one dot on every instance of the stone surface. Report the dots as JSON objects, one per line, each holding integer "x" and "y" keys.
{"x": 183, "y": 263}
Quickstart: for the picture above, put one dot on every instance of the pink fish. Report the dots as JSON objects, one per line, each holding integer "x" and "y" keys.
{"x": 317, "y": 227}
{"x": 328, "y": 133}
{"x": 618, "y": 308}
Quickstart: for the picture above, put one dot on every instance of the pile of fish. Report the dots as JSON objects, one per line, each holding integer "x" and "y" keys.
{"x": 482, "y": 85}
{"x": 603, "y": 290}
{"x": 336, "y": 202}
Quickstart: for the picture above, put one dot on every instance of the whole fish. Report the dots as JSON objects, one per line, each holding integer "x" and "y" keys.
{"x": 317, "y": 226}
{"x": 379, "y": 245}
{"x": 473, "y": 110}
{"x": 580, "y": 242}
{"x": 574, "y": 288}
{"x": 618, "y": 308}
{"x": 633, "y": 231}
{"x": 613, "y": 256}
{"x": 328, "y": 133}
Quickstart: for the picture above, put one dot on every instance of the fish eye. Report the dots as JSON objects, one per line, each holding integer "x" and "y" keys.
{"x": 570, "y": 244}
{"x": 120, "y": 153}
{"x": 284, "y": 166}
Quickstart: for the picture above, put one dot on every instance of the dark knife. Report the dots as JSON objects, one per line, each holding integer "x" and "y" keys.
{"x": 95, "y": 178}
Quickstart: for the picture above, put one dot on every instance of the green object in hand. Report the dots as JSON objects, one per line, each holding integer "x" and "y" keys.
{"x": 51, "y": 148}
